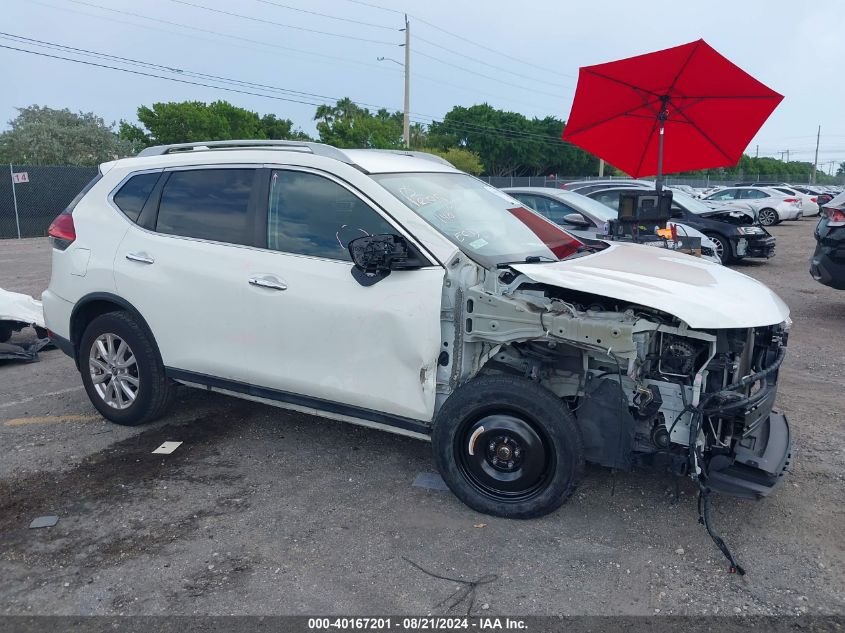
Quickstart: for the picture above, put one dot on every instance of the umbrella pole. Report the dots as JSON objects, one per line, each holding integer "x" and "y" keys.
{"x": 661, "y": 116}
{"x": 659, "y": 183}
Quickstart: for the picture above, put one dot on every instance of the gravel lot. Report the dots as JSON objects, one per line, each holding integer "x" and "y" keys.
{"x": 261, "y": 511}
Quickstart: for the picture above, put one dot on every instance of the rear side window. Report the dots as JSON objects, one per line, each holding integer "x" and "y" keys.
{"x": 609, "y": 199}
{"x": 311, "y": 215}
{"x": 209, "y": 204}
{"x": 134, "y": 193}
{"x": 752, "y": 194}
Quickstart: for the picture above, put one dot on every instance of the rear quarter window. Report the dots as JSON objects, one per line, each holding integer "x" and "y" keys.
{"x": 132, "y": 196}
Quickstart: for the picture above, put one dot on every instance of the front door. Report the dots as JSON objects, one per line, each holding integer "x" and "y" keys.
{"x": 319, "y": 332}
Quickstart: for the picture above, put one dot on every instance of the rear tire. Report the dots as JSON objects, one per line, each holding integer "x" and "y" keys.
{"x": 508, "y": 447}
{"x": 122, "y": 371}
{"x": 768, "y": 217}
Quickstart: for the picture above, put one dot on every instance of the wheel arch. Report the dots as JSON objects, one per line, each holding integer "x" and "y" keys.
{"x": 95, "y": 304}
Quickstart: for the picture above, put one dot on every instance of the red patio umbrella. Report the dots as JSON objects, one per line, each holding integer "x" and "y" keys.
{"x": 707, "y": 109}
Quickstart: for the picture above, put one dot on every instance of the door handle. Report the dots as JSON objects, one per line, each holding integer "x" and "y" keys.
{"x": 267, "y": 282}
{"x": 142, "y": 258}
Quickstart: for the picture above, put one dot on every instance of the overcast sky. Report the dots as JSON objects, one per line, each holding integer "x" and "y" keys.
{"x": 530, "y": 63}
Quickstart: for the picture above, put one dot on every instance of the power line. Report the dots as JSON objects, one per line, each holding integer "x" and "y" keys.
{"x": 170, "y": 69}
{"x": 361, "y": 39}
{"x": 196, "y": 28}
{"x": 258, "y": 42}
{"x": 281, "y": 24}
{"x": 496, "y": 79}
{"x": 480, "y": 129}
{"x": 474, "y": 59}
{"x": 326, "y": 15}
{"x": 465, "y": 39}
{"x": 138, "y": 72}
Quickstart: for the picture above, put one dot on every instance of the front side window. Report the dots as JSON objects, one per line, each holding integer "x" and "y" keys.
{"x": 557, "y": 211}
{"x": 133, "y": 195}
{"x": 726, "y": 194}
{"x": 311, "y": 215}
{"x": 209, "y": 204}
{"x": 485, "y": 223}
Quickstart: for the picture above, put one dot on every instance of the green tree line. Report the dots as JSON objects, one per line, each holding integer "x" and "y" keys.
{"x": 478, "y": 139}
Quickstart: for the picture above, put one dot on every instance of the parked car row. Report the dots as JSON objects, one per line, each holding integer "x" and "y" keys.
{"x": 732, "y": 220}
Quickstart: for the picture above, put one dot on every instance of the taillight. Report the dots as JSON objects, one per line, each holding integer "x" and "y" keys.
{"x": 835, "y": 217}
{"x": 813, "y": 199}
{"x": 790, "y": 199}
{"x": 62, "y": 231}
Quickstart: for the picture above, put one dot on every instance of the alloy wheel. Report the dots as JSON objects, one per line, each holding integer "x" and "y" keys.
{"x": 114, "y": 371}
{"x": 768, "y": 217}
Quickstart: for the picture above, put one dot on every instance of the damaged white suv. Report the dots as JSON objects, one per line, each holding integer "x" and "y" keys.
{"x": 391, "y": 290}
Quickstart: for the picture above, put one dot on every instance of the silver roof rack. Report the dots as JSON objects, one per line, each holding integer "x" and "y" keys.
{"x": 422, "y": 155}
{"x": 318, "y": 149}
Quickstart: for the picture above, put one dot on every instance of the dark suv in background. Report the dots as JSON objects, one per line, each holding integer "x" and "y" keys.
{"x": 828, "y": 263}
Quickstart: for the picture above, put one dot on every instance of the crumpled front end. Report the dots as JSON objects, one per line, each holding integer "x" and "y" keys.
{"x": 644, "y": 387}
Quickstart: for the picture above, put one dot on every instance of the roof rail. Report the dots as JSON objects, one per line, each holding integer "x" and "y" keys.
{"x": 422, "y": 155}
{"x": 318, "y": 149}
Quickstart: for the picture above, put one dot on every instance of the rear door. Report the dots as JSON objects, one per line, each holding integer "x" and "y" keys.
{"x": 332, "y": 342}
{"x": 184, "y": 267}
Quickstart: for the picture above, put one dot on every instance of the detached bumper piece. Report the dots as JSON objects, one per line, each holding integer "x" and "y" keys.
{"x": 761, "y": 460}
{"x": 763, "y": 247}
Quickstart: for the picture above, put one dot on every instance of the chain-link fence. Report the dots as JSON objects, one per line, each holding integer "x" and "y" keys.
{"x": 707, "y": 181}
{"x": 41, "y": 192}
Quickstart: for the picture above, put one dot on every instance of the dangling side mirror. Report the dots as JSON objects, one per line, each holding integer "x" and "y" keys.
{"x": 375, "y": 256}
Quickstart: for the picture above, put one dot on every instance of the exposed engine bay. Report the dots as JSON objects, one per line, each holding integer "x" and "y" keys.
{"x": 644, "y": 387}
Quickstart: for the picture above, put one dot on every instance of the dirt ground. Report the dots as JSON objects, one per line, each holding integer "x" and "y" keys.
{"x": 262, "y": 511}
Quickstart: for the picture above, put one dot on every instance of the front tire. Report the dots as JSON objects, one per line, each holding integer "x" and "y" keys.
{"x": 768, "y": 217}
{"x": 508, "y": 447}
{"x": 723, "y": 248}
{"x": 122, "y": 371}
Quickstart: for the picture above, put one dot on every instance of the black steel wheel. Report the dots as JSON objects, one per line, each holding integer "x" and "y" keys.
{"x": 508, "y": 447}
{"x": 504, "y": 456}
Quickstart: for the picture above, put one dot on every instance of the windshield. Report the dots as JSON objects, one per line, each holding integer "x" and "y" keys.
{"x": 689, "y": 203}
{"x": 485, "y": 223}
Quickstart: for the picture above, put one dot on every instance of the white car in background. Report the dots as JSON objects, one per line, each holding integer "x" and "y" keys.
{"x": 809, "y": 206}
{"x": 770, "y": 205}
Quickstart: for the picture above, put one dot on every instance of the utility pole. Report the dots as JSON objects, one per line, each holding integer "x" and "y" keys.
{"x": 787, "y": 156}
{"x": 757, "y": 151}
{"x": 816, "y": 161}
{"x": 601, "y": 167}
{"x": 406, "y": 120}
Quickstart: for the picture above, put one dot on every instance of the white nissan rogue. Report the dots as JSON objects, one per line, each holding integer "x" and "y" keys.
{"x": 388, "y": 289}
